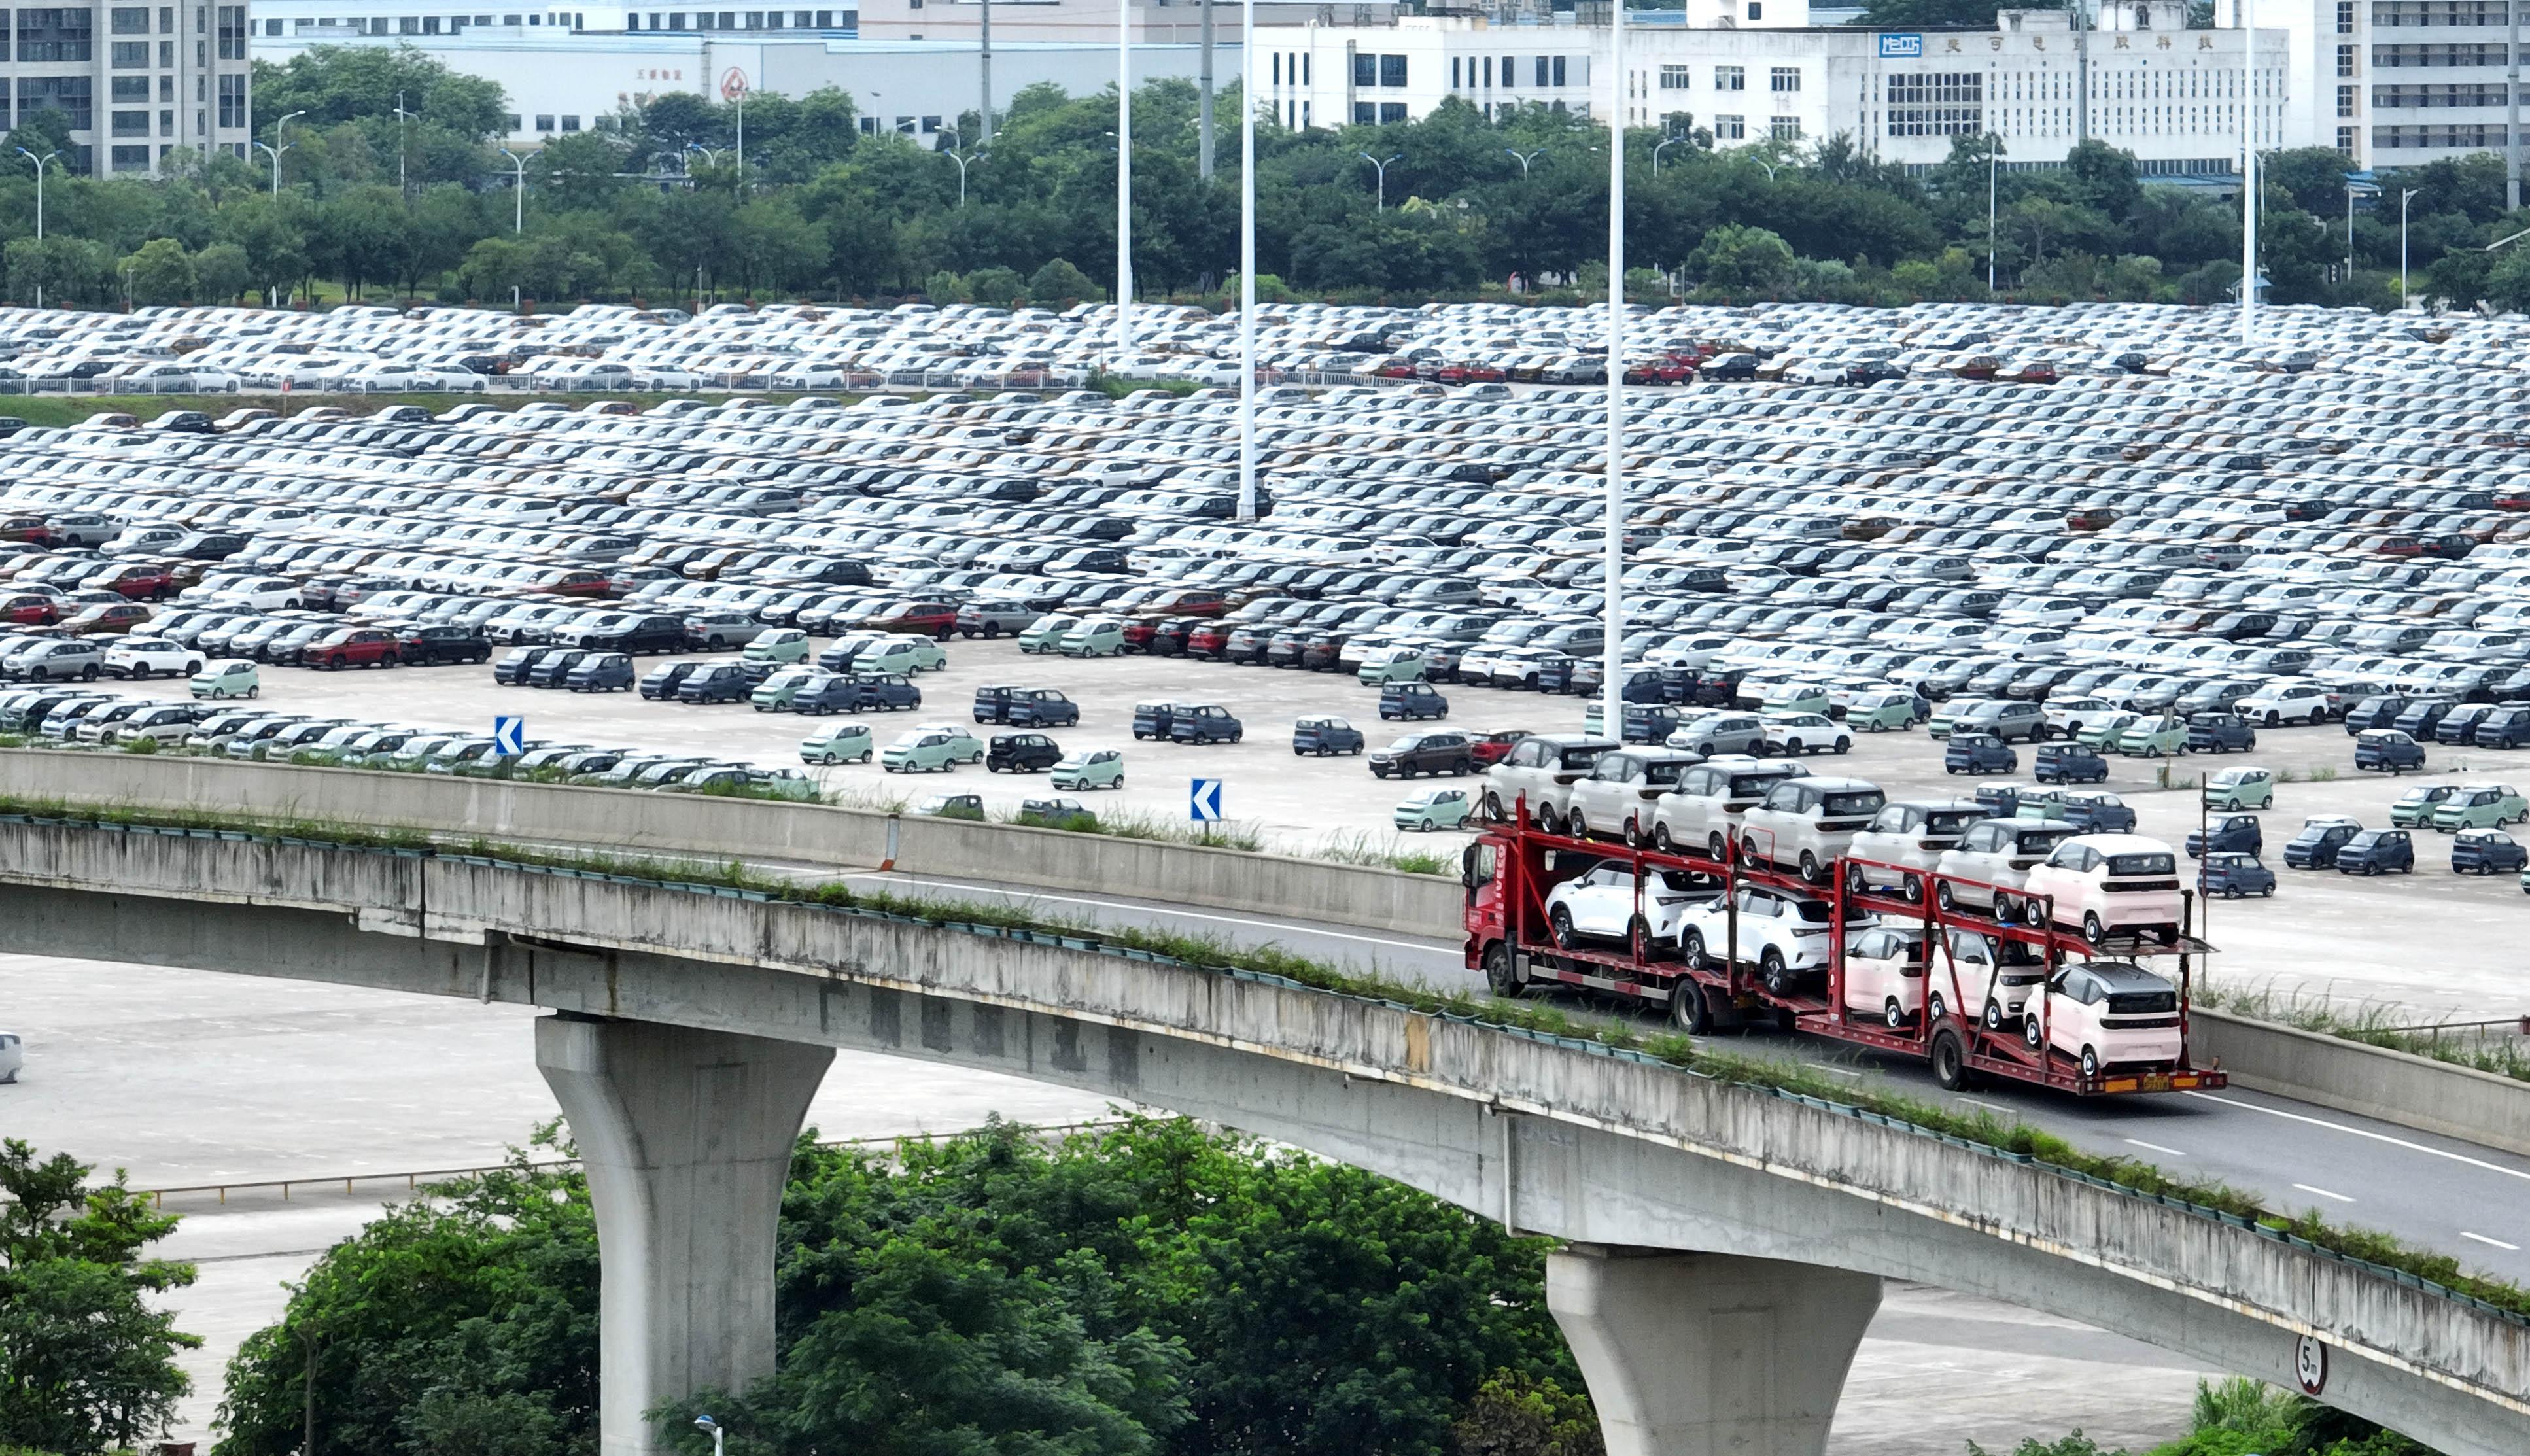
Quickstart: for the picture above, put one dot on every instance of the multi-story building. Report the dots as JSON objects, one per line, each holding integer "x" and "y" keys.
{"x": 2397, "y": 82}
{"x": 1093, "y": 22}
{"x": 137, "y": 83}
{"x": 1753, "y": 71}
{"x": 419, "y": 21}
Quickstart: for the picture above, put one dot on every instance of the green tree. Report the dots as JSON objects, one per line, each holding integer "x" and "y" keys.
{"x": 1059, "y": 282}
{"x": 161, "y": 272}
{"x": 1742, "y": 261}
{"x": 84, "y": 1364}
{"x": 221, "y": 273}
{"x": 336, "y": 84}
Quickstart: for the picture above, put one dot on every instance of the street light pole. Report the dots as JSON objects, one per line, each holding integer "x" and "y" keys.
{"x": 275, "y": 154}
{"x": 518, "y": 190}
{"x": 41, "y": 162}
{"x": 2249, "y": 175}
{"x": 1663, "y": 144}
{"x": 707, "y": 1422}
{"x": 1526, "y": 157}
{"x": 1123, "y": 177}
{"x": 1613, "y": 687}
{"x": 1383, "y": 174}
{"x": 1993, "y": 172}
{"x": 2513, "y": 106}
{"x": 404, "y": 144}
{"x": 954, "y": 155}
{"x": 1247, "y": 260}
{"x": 2404, "y": 197}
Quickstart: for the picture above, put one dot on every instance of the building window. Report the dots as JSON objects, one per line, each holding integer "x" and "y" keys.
{"x": 232, "y": 33}
{"x": 55, "y": 35}
{"x": 129, "y": 20}
{"x": 71, "y": 96}
{"x": 2345, "y": 60}
{"x": 1454, "y": 71}
{"x": 1277, "y": 68}
{"x": 1730, "y": 128}
{"x": 130, "y": 123}
{"x": 1784, "y": 79}
{"x": 130, "y": 55}
{"x": 1559, "y": 71}
{"x": 130, "y": 159}
{"x": 167, "y": 88}
{"x": 1785, "y": 128}
{"x": 1390, "y": 113}
{"x": 1672, "y": 77}
{"x": 1510, "y": 76}
{"x": 1391, "y": 71}
{"x": 166, "y": 122}
{"x": 1945, "y": 103}
{"x": 2346, "y": 139}
{"x": 1365, "y": 70}
{"x": 1365, "y": 113}
{"x": 544, "y": 124}
{"x": 232, "y": 100}
{"x": 1756, "y": 9}
{"x": 1304, "y": 68}
{"x": 1540, "y": 71}
{"x": 2346, "y": 101}
{"x": 132, "y": 89}
{"x": 2345, "y": 17}
{"x": 1729, "y": 79}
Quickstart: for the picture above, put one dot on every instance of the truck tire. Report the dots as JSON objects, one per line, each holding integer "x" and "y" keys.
{"x": 1502, "y": 973}
{"x": 1689, "y": 1011}
{"x": 1950, "y": 1062}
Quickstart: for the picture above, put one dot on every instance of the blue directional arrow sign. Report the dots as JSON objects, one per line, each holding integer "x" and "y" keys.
{"x": 1203, "y": 801}
{"x": 508, "y": 737}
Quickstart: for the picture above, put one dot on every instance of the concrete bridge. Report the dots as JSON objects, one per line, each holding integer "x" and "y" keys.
{"x": 1728, "y": 1242}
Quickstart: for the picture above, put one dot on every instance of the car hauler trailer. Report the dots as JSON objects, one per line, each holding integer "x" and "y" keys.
{"x": 1974, "y": 968}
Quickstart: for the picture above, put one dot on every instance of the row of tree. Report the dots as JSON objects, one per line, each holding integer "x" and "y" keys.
{"x": 655, "y": 202}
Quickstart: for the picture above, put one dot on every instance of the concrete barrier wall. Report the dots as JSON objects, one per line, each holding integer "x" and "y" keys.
{"x": 633, "y": 819}
{"x": 2398, "y": 1087}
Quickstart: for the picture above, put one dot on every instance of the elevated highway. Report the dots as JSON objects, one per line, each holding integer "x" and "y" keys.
{"x": 1728, "y": 1240}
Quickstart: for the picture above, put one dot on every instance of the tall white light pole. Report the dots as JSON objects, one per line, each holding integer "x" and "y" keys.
{"x": 1612, "y": 690}
{"x": 1247, "y": 260}
{"x": 1993, "y": 171}
{"x": 41, "y": 162}
{"x": 1382, "y": 165}
{"x": 275, "y": 154}
{"x": 518, "y": 190}
{"x": 2249, "y": 175}
{"x": 2405, "y": 196}
{"x": 1124, "y": 176}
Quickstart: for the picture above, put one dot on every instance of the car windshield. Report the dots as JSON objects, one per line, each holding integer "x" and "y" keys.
{"x": 2147, "y": 864}
{"x": 1583, "y": 758}
{"x": 1950, "y": 822}
{"x": 2041, "y": 841}
{"x": 1751, "y": 785}
{"x": 1663, "y": 774}
{"x": 1859, "y": 802}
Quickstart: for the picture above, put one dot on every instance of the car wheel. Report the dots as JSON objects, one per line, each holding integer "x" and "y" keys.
{"x": 2090, "y": 1062}
{"x": 1893, "y": 1016}
{"x": 1691, "y": 948}
{"x": 2092, "y": 930}
{"x": 1843, "y": 744}
{"x": 1774, "y": 973}
{"x": 1993, "y": 1015}
{"x": 1791, "y": 746}
{"x": 2032, "y": 1034}
{"x": 2275, "y": 719}
{"x": 1811, "y": 870}
{"x": 1714, "y": 847}
{"x": 1943, "y": 897}
{"x": 1561, "y": 919}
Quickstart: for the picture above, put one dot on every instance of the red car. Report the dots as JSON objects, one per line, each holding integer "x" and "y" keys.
{"x": 929, "y": 618}
{"x": 1395, "y": 369}
{"x": 136, "y": 582}
{"x": 354, "y": 646}
{"x": 29, "y": 609}
{"x": 1493, "y": 748}
{"x": 25, "y": 529}
{"x": 1137, "y": 634}
{"x": 1210, "y": 641}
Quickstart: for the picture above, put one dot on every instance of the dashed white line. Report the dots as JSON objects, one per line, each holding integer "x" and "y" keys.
{"x": 1989, "y": 1106}
{"x": 2153, "y": 1148}
{"x": 2323, "y": 1192}
{"x": 2322, "y": 1122}
{"x": 2497, "y": 1243}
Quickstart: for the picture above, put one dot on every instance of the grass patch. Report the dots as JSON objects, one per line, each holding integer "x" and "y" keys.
{"x": 2324, "y": 773}
{"x": 2383, "y": 1024}
{"x": 1362, "y": 847}
{"x": 1984, "y": 1128}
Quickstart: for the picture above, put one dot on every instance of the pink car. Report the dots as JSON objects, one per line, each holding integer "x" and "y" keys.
{"x": 2109, "y": 1014}
{"x": 2110, "y": 883}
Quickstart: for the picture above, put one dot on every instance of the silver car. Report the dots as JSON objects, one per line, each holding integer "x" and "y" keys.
{"x": 1993, "y": 860}
{"x": 1720, "y": 731}
{"x": 1542, "y": 770}
{"x": 1913, "y": 836}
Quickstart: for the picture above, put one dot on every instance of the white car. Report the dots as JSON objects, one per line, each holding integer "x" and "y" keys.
{"x": 1604, "y": 902}
{"x": 1807, "y": 823}
{"x": 2107, "y": 1014}
{"x": 1910, "y": 836}
{"x": 1622, "y": 791}
{"x": 1977, "y": 975}
{"x": 1991, "y": 863}
{"x": 1702, "y": 814}
{"x": 1787, "y": 938}
{"x": 2105, "y": 883}
{"x": 12, "y": 1056}
{"x": 2070, "y": 716}
{"x": 150, "y": 658}
{"x": 1806, "y": 733}
{"x": 1884, "y": 975}
{"x": 1542, "y": 768}
{"x": 2278, "y": 704}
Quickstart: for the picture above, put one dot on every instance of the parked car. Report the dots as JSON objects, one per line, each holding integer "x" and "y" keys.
{"x": 934, "y": 748}
{"x": 1442, "y": 750}
{"x": 716, "y": 682}
{"x": 2481, "y": 806}
{"x": 2486, "y": 852}
{"x": 1412, "y": 700}
{"x": 1978, "y": 752}
{"x": 2069, "y": 763}
{"x": 232, "y": 678}
{"x": 2238, "y": 833}
{"x": 1795, "y": 734}
{"x": 2375, "y": 851}
{"x": 1056, "y": 813}
{"x": 1153, "y": 720}
{"x": 659, "y": 685}
{"x": 601, "y": 672}
{"x": 1039, "y": 708}
{"x": 1097, "y": 769}
{"x": 2320, "y": 839}
{"x": 2220, "y": 732}
{"x": 2414, "y": 809}
{"x": 1207, "y": 723}
{"x": 1716, "y": 733}
{"x": 2244, "y": 787}
{"x": 134, "y": 659}
{"x": 1383, "y": 665}
{"x": 1021, "y": 753}
{"x": 2232, "y": 874}
{"x": 948, "y": 806}
{"x": 1432, "y": 808}
{"x": 2387, "y": 750}
{"x": 2154, "y": 738}
{"x": 2091, "y": 812}
{"x": 839, "y": 743}
{"x": 1322, "y": 735}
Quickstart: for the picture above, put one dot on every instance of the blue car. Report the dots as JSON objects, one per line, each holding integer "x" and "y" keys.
{"x": 2508, "y": 726}
{"x": 2378, "y": 852}
{"x": 2232, "y": 834}
{"x": 883, "y": 692}
{"x": 2388, "y": 750}
{"x": 2070, "y": 764}
{"x": 1322, "y": 736}
{"x": 2232, "y": 875}
{"x": 2095, "y": 812}
{"x": 2316, "y": 846}
{"x": 601, "y": 672}
{"x": 1203, "y": 723}
{"x": 2220, "y": 732}
{"x": 2488, "y": 852}
{"x": 1978, "y": 752}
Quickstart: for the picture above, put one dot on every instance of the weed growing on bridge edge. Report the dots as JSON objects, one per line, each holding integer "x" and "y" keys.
{"x": 1984, "y": 1129}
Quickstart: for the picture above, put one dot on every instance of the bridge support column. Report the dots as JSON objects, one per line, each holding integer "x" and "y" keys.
{"x": 1709, "y": 1354}
{"x": 686, "y": 1137}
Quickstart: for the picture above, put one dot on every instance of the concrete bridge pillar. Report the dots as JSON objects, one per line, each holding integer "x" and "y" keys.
{"x": 686, "y": 1137}
{"x": 1709, "y": 1354}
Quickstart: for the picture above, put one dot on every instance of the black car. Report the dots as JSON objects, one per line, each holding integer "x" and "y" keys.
{"x": 1021, "y": 753}
{"x": 1446, "y": 752}
{"x": 662, "y": 682}
{"x": 715, "y": 682}
{"x": 600, "y": 672}
{"x": 640, "y": 635}
{"x": 513, "y": 669}
{"x": 435, "y": 644}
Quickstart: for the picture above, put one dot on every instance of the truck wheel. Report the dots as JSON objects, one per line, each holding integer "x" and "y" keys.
{"x": 1950, "y": 1062}
{"x": 1688, "y": 1009}
{"x": 1502, "y": 973}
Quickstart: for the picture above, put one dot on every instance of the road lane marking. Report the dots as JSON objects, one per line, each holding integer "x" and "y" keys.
{"x": 2324, "y": 1193}
{"x": 1017, "y": 893}
{"x": 2153, "y": 1148}
{"x": 2321, "y": 1122}
{"x": 1989, "y": 1106}
{"x": 2497, "y": 1243}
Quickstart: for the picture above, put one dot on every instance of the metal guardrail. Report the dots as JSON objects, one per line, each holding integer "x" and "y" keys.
{"x": 412, "y": 1180}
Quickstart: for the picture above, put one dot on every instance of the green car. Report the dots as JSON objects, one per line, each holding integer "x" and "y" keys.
{"x": 2104, "y": 733}
{"x": 840, "y": 743}
{"x": 1880, "y": 712}
{"x": 1779, "y": 699}
{"x": 1098, "y": 637}
{"x": 780, "y": 644}
{"x": 1433, "y": 809}
{"x": 2240, "y": 788}
{"x": 1948, "y": 714}
{"x": 1390, "y": 665}
{"x": 905, "y": 655}
{"x": 774, "y": 694}
{"x": 1098, "y": 769}
{"x": 1045, "y": 633}
{"x": 937, "y": 748}
{"x": 2154, "y": 738}
{"x": 2480, "y": 807}
{"x": 2415, "y": 807}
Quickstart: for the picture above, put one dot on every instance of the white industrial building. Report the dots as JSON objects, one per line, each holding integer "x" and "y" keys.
{"x": 138, "y": 84}
{"x": 559, "y": 81}
{"x": 1752, "y": 70}
{"x": 421, "y": 21}
{"x": 2397, "y": 82}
